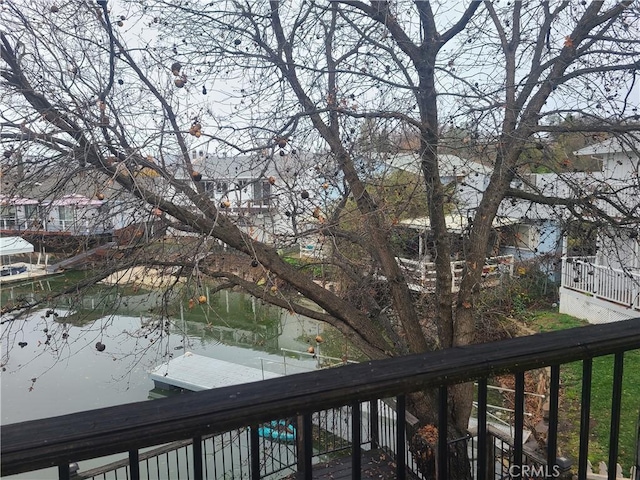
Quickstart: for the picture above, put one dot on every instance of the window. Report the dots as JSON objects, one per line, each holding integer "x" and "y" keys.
{"x": 32, "y": 216}
{"x": 262, "y": 193}
{"x": 65, "y": 213}
{"x": 8, "y": 216}
{"x": 209, "y": 187}
{"x": 222, "y": 187}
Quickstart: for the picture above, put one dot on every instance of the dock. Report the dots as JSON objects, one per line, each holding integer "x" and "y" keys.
{"x": 196, "y": 373}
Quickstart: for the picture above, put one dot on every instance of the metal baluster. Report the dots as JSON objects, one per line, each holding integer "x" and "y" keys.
{"x": 186, "y": 462}
{"x": 237, "y": 435}
{"x": 552, "y": 435}
{"x": 307, "y": 441}
{"x": 585, "y": 411}
{"x": 134, "y": 465}
{"x": 197, "y": 458}
{"x": 356, "y": 460}
{"x": 222, "y": 454}
{"x": 482, "y": 429}
{"x": 63, "y": 471}
{"x": 204, "y": 462}
{"x": 375, "y": 428}
{"x": 213, "y": 455}
{"x": 401, "y": 460}
{"x": 518, "y": 423}
{"x": 254, "y": 440}
{"x": 443, "y": 460}
{"x": 618, "y": 366}
{"x": 637, "y": 474}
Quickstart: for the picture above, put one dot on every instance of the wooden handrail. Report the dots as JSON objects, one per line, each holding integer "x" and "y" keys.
{"x": 47, "y": 442}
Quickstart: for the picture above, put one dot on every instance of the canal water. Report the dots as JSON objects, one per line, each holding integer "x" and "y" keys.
{"x": 51, "y": 365}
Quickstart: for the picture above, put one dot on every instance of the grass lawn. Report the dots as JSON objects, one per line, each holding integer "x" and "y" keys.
{"x": 601, "y": 392}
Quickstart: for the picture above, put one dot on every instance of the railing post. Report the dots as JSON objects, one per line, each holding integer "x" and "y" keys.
{"x": 616, "y": 399}
{"x": 443, "y": 411}
{"x": 482, "y": 430}
{"x": 374, "y": 426}
{"x": 491, "y": 461}
{"x": 197, "y": 457}
{"x": 304, "y": 445}
{"x": 585, "y": 418}
{"x": 518, "y": 423}
{"x": 637, "y": 472}
{"x": 134, "y": 465}
{"x": 401, "y": 423}
{"x": 63, "y": 471}
{"x": 596, "y": 288}
{"x": 254, "y": 440}
{"x": 356, "y": 460}
{"x": 552, "y": 435}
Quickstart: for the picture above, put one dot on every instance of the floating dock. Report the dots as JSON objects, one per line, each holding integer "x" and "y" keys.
{"x": 196, "y": 373}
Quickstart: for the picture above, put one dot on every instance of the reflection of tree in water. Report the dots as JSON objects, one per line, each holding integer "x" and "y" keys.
{"x": 164, "y": 325}
{"x": 235, "y": 319}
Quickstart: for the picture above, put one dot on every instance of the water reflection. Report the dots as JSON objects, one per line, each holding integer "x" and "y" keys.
{"x": 58, "y": 369}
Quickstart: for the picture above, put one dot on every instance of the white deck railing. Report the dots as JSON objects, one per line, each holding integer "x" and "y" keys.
{"x": 614, "y": 285}
{"x": 421, "y": 275}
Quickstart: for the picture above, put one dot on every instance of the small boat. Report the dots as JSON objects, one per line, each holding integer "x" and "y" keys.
{"x": 278, "y": 430}
{"x": 12, "y": 270}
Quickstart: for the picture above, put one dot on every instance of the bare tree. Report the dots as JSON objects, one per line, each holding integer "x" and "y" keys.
{"x": 324, "y": 93}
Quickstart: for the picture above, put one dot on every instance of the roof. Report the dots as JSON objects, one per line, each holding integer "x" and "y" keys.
{"x": 75, "y": 199}
{"x": 257, "y": 166}
{"x": 454, "y": 223}
{"x": 450, "y": 165}
{"x": 14, "y": 246}
{"x": 6, "y": 200}
{"x": 609, "y": 146}
{"x": 196, "y": 373}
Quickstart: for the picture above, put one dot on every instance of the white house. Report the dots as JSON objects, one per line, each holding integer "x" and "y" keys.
{"x": 73, "y": 213}
{"x": 605, "y": 287}
{"x": 522, "y": 230}
{"x": 271, "y": 197}
{"x": 75, "y": 205}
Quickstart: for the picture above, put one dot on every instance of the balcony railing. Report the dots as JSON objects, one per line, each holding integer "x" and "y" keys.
{"x": 614, "y": 285}
{"x": 354, "y": 390}
{"x": 422, "y": 275}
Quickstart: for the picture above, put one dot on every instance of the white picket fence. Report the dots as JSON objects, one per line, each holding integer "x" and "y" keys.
{"x": 603, "y": 471}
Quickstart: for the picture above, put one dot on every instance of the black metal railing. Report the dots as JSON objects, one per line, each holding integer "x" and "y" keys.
{"x": 342, "y": 404}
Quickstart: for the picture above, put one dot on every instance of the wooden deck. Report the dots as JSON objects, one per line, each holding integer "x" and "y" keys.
{"x": 375, "y": 464}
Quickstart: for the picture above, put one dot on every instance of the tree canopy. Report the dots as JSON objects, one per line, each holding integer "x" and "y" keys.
{"x": 324, "y": 93}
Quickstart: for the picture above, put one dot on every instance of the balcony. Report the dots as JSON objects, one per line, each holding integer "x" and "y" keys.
{"x": 359, "y": 408}
{"x": 597, "y": 292}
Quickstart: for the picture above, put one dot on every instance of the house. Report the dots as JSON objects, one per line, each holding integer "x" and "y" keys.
{"x": 57, "y": 204}
{"x": 604, "y": 285}
{"x": 74, "y": 214}
{"x": 239, "y": 184}
{"x": 520, "y": 229}
{"x": 271, "y": 197}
